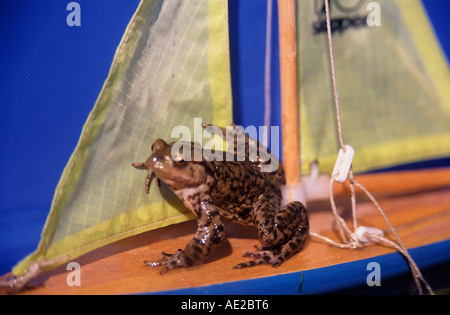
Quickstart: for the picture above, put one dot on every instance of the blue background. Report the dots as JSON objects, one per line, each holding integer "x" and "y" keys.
{"x": 51, "y": 75}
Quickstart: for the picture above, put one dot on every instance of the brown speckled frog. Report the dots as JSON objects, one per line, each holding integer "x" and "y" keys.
{"x": 228, "y": 190}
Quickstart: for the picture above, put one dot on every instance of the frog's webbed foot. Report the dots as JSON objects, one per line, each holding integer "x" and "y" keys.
{"x": 170, "y": 261}
{"x": 262, "y": 257}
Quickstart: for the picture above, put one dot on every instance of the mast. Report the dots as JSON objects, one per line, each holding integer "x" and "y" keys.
{"x": 289, "y": 93}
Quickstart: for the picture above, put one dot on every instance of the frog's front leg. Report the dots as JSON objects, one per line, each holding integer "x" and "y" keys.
{"x": 209, "y": 236}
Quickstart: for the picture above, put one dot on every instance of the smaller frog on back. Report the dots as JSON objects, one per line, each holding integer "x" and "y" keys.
{"x": 236, "y": 191}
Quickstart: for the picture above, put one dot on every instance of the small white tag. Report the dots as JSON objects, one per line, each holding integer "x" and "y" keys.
{"x": 343, "y": 163}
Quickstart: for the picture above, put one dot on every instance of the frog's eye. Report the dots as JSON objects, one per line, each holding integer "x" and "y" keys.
{"x": 179, "y": 161}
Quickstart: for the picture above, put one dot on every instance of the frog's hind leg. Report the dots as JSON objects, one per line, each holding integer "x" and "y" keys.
{"x": 282, "y": 238}
{"x": 275, "y": 257}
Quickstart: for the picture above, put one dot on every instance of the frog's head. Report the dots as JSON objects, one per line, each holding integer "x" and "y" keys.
{"x": 174, "y": 163}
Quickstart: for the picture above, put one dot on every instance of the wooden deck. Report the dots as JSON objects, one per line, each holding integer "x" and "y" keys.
{"x": 417, "y": 203}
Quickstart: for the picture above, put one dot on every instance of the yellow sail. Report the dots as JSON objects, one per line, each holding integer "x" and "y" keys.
{"x": 392, "y": 80}
{"x": 171, "y": 66}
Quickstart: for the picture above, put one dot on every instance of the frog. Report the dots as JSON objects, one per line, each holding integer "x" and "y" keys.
{"x": 220, "y": 190}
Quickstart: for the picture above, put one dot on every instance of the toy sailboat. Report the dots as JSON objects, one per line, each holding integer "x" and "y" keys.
{"x": 172, "y": 66}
